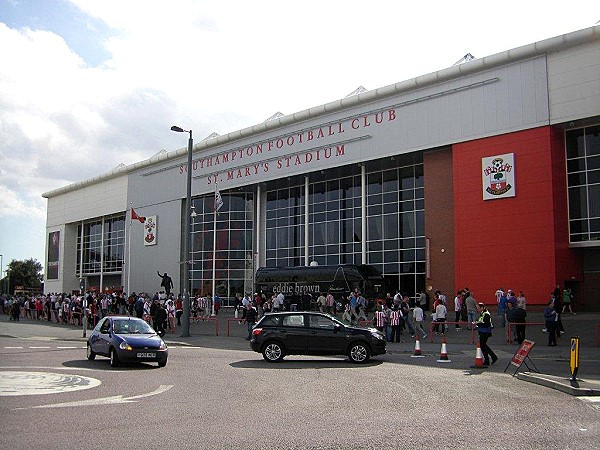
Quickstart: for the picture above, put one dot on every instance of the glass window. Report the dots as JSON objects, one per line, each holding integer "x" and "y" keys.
{"x": 394, "y": 190}
{"x": 296, "y": 320}
{"x": 577, "y": 203}
{"x": 592, "y": 141}
{"x": 578, "y": 226}
{"x": 390, "y": 226}
{"x": 234, "y": 242}
{"x": 593, "y": 163}
{"x": 593, "y": 177}
{"x": 583, "y": 180}
{"x": 374, "y": 183}
{"x": 575, "y": 144}
{"x": 577, "y": 179}
{"x": 321, "y": 322}
{"x": 390, "y": 182}
{"x": 594, "y": 196}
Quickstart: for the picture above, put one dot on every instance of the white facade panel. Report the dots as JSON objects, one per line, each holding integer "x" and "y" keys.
{"x": 104, "y": 198}
{"x": 164, "y": 256}
{"x": 574, "y": 83}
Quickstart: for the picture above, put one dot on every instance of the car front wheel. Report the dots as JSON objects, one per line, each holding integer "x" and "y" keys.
{"x": 273, "y": 352}
{"x": 114, "y": 358}
{"x": 358, "y": 353}
{"x": 90, "y": 353}
{"x": 162, "y": 363}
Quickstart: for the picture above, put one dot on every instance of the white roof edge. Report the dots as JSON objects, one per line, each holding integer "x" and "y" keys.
{"x": 564, "y": 41}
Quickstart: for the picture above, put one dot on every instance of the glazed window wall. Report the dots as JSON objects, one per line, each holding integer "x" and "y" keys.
{"x": 395, "y": 220}
{"x": 234, "y": 264}
{"x": 114, "y": 244}
{"x": 583, "y": 175}
{"x": 285, "y": 226}
{"x": 335, "y": 219}
{"x": 89, "y": 236}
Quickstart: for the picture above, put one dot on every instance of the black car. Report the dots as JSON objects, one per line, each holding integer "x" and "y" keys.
{"x": 312, "y": 333}
{"x": 126, "y": 339}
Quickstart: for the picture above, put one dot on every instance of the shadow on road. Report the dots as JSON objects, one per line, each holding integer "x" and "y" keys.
{"x": 302, "y": 364}
{"x": 104, "y": 364}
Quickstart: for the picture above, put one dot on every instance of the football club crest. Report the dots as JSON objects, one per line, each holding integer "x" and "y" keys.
{"x": 498, "y": 176}
{"x": 150, "y": 230}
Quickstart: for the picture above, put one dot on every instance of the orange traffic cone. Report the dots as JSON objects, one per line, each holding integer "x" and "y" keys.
{"x": 444, "y": 352}
{"x": 478, "y": 359}
{"x": 417, "y": 352}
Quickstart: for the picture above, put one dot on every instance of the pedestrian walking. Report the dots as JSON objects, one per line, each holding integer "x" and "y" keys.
{"x": 250, "y": 319}
{"x": 419, "y": 317}
{"x": 484, "y": 328}
{"x": 551, "y": 323}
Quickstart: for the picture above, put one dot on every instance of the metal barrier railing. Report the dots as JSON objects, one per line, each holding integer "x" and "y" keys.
{"x": 509, "y": 338}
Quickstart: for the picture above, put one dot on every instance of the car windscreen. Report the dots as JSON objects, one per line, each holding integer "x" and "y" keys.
{"x": 132, "y": 327}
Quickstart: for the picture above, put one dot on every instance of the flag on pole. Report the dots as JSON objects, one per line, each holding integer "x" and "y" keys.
{"x": 218, "y": 199}
{"x": 134, "y": 216}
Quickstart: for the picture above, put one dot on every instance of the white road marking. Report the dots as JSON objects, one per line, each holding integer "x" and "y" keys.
{"x": 116, "y": 399}
{"x": 594, "y": 400}
{"x": 37, "y": 383}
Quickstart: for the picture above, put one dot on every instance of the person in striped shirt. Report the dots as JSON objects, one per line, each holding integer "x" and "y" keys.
{"x": 380, "y": 319}
{"x": 395, "y": 317}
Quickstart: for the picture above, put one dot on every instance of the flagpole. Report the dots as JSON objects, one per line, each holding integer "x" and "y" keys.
{"x": 214, "y": 261}
{"x": 217, "y": 206}
{"x": 129, "y": 252}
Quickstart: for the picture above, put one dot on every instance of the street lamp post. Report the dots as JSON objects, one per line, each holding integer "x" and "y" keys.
{"x": 186, "y": 234}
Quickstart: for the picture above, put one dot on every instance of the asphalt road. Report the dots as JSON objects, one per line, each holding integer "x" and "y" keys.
{"x": 208, "y": 397}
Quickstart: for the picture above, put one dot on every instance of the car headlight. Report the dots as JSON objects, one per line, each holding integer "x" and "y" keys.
{"x": 162, "y": 345}
{"x": 378, "y": 335}
{"x": 125, "y": 346}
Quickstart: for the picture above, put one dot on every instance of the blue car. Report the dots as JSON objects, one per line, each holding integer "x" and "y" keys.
{"x": 126, "y": 339}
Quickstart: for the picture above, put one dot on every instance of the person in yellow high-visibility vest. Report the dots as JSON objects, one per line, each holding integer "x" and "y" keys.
{"x": 484, "y": 328}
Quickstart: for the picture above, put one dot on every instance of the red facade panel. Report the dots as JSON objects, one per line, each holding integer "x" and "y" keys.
{"x": 517, "y": 243}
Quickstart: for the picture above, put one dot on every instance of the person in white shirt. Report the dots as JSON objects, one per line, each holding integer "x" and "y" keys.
{"x": 457, "y": 308}
{"x": 321, "y": 301}
{"x": 280, "y": 302}
{"x": 418, "y": 316}
{"x": 170, "y": 307}
{"x": 440, "y": 312}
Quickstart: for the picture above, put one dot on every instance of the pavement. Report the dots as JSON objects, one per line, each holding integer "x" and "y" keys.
{"x": 547, "y": 366}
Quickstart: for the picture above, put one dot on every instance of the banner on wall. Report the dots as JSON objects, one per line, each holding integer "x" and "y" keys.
{"x": 498, "y": 176}
{"x": 53, "y": 255}
{"x": 150, "y": 230}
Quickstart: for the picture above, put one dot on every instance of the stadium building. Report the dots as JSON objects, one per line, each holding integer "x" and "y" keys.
{"x": 485, "y": 174}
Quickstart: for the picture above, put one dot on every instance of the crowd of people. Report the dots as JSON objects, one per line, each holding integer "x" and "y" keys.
{"x": 393, "y": 315}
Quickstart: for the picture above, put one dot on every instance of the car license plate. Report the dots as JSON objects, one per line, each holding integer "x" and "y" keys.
{"x": 146, "y": 355}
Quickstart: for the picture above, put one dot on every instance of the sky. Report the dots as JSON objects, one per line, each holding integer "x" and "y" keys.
{"x": 87, "y": 85}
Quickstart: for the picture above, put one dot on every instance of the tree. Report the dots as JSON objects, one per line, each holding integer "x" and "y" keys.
{"x": 26, "y": 273}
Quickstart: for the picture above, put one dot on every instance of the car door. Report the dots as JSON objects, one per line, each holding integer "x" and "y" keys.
{"x": 323, "y": 338}
{"x": 295, "y": 333}
{"x": 101, "y": 339}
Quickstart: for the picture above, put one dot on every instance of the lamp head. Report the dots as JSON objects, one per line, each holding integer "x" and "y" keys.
{"x": 177, "y": 129}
